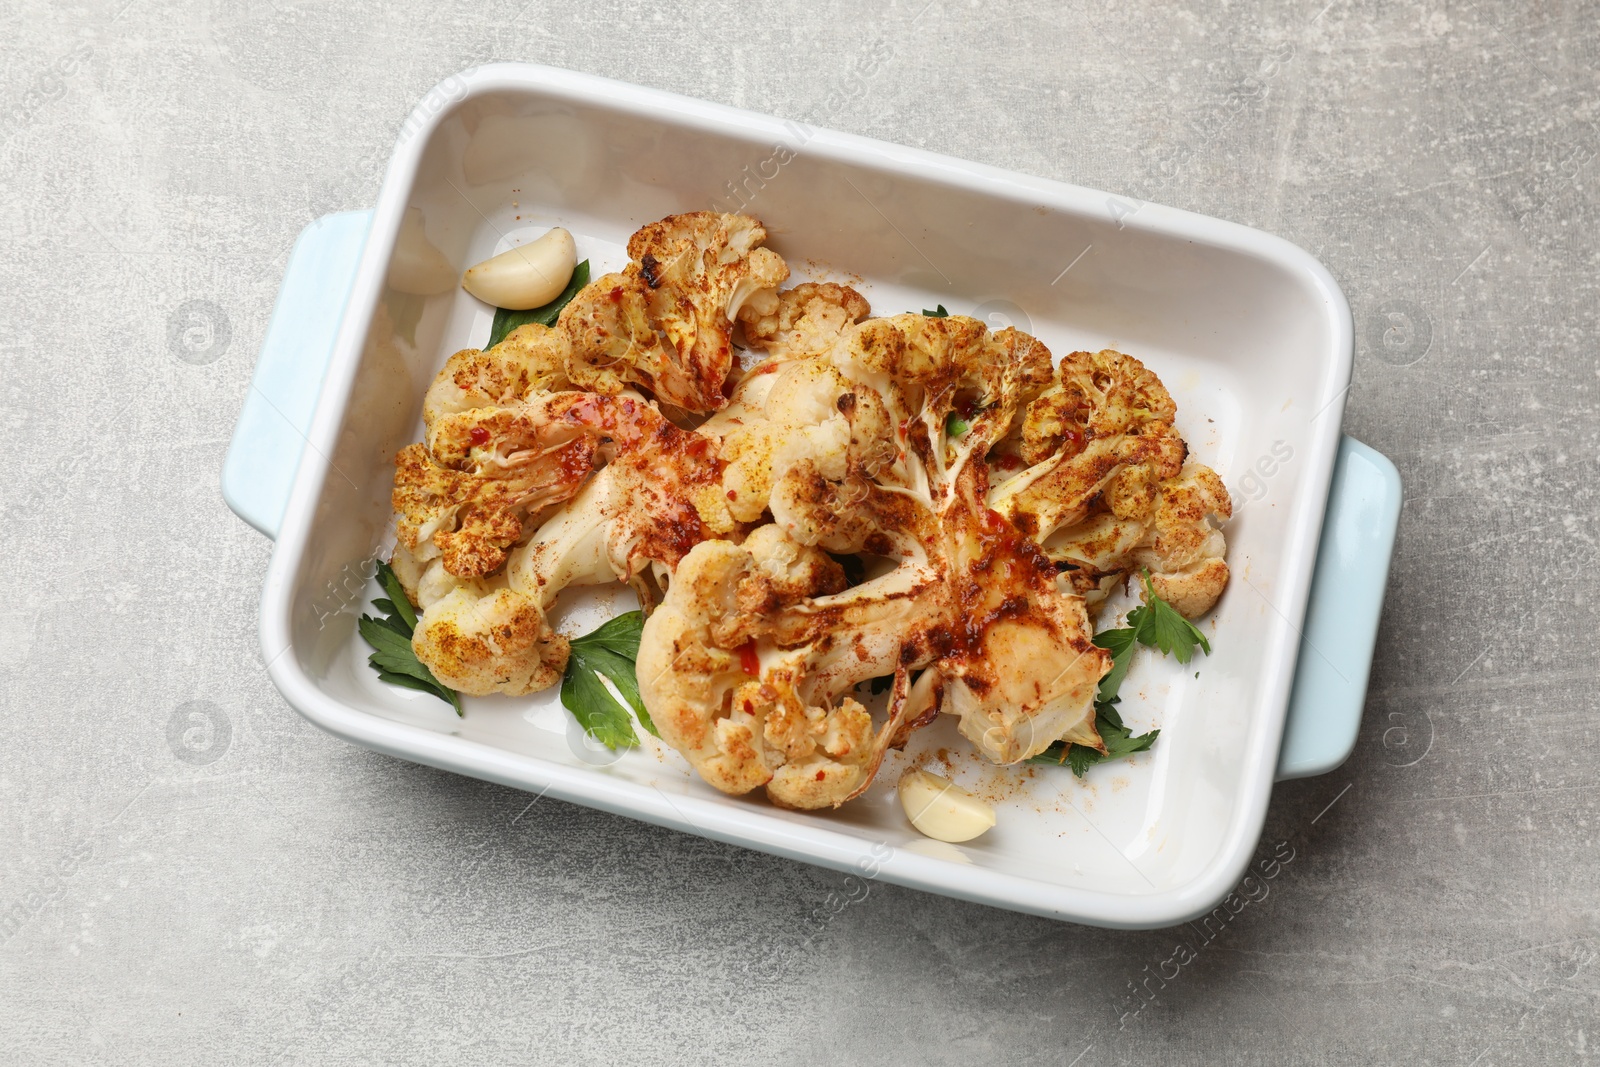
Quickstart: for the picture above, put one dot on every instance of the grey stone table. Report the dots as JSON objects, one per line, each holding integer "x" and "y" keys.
{"x": 262, "y": 893}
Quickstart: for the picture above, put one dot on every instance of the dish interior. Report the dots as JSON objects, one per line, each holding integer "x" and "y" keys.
{"x": 1241, "y": 341}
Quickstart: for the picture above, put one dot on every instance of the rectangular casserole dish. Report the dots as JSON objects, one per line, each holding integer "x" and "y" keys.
{"x": 1250, "y": 334}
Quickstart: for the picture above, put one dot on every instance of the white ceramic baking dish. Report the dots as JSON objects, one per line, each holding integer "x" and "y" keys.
{"x": 1250, "y": 333}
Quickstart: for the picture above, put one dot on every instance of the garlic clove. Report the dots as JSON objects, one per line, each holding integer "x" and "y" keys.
{"x": 417, "y": 267}
{"x": 942, "y": 810}
{"x": 525, "y": 277}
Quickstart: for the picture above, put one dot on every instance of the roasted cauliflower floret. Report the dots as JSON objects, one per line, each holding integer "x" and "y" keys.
{"x": 497, "y": 451}
{"x": 1019, "y": 667}
{"x": 1026, "y": 670}
{"x": 531, "y": 358}
{"x": 809, "y": 413}
{"x": 938, "y": 373}
{"x": 741, "y": 678}
{"x": 1182, "y": 547}
{"x": 1108, "y": 484}
{"x": 493, "y": 470}
{"x": 664, "y": 322}
{"x": 788, "y": 571}
{"x": 477, "y": 635}
{"x": 802, "y": 322}
{"x": 1104, "y": 428}
{"x": 495, "y": 643}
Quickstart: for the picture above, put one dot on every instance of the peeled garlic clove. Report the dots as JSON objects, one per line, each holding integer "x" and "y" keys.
{"x": 941, "y": 810}
{"x": 417, "y": 267}
{"x": 528, "y": 276}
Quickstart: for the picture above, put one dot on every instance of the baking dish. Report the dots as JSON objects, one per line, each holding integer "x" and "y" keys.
{"x": 1250, "y": 333}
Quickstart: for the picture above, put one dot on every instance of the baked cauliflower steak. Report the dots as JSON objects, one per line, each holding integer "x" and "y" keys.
{"x": 524, "y": 486}
{"x": 862, "y": 451}
{"x": 498, "y": 453}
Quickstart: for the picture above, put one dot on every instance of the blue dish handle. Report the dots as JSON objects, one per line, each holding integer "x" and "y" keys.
{"x": 271, "y": 432}
{"x": 1341, "y": 626}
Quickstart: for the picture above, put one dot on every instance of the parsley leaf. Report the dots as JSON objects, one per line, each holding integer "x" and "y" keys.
{"x": 1119, "y": 740}
{"x": 1120, "y": 644}
{"x": 1159, "y": 625}
{"x": 596, "y": 710}
{"x": 390, "y": 638}
{"x": 1080, "y": 758}
{"x": 609, "y": 650}
{"x": 405, "y": 681}
{"x": 506, "y": 321}
{"x": 397, "y": 603}
{"x": 940, "y": 314}
{"x": 621, "y": 635}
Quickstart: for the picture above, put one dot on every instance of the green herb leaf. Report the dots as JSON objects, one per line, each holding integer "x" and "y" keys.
{"x": 596, "y": 710}
{"x": 940, "y": 314}
{"x": 1106, "y": 714}
{"x": 955, "y": 425}
{"x": 1119, "y": 745}
{"x": 610, "y": 650}
{"x": 397, "y": 603}
{"x": 620, "y": 670}
{"x": 505, "y": 321}
{"x": 384, "y": 637}
{"x": 1121, "y": 742}
{"x": 405, "y": 681}
{"x": 390, "y": 637}
{"x": 1159, "y": 625}
{"x": 393, "y": 623}
{"x": 1120, "y": 643}
{"x": 1080, "y": 758}
{"x": 620, "y": 635}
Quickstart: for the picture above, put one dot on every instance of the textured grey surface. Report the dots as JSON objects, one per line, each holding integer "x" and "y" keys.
{"x": 264, "y": 893}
